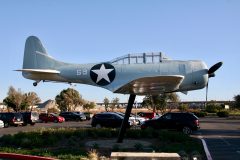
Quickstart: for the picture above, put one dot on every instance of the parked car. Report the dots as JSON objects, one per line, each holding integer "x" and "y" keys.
{"x": 52, "y": 117}
{"x": 107, "y": 119}
{"x": 73, "y": 116}
{"x": 135, "y": 119}
{"x": 88, "y": 115}
{"x": 11, "y": 119}
{"x": 138, "y": 119}
{"x": 185, "y": 122}
{"x": 30, "y": 118}
{"x": 147, "y": 115}
{"x": 1, "y": 124}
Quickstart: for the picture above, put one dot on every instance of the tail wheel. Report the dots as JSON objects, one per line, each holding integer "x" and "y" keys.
{"x": 186, "y": 130}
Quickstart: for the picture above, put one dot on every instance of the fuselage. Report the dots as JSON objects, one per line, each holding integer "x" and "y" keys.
{"x": 194, "y": 72}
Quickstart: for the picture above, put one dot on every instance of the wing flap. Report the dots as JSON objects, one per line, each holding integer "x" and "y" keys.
{"x": 152, "y": 85}
{"x": 48, "y": 71}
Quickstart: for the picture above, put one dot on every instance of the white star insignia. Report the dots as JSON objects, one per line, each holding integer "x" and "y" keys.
{"x": 102, "y": 73}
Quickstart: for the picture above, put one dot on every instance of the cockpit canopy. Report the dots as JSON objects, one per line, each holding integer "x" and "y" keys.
{"x": 154, "y": 57}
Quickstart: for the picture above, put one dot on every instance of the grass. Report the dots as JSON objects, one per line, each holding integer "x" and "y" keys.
{"x": 68, "y": 143}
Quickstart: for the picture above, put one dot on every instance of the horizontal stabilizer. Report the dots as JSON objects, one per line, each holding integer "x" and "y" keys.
{"x": 48, "y": 71}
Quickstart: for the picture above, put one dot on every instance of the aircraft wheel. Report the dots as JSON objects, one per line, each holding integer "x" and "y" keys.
{"x": 187, "y": 130}
{"x": 35, "y": 84}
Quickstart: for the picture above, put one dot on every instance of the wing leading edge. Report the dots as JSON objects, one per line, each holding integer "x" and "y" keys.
{"x": 152, "y": 85}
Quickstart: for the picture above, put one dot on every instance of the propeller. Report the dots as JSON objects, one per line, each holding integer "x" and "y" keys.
{"x": 211, "y": 73}
{"x": 214, "y": 68}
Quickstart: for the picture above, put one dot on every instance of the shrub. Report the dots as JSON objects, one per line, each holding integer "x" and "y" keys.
{"x": 200, "y": 113}
{"x": 223, "y": 114}
{"x": 138, "y": 146}
{"x": 213, "y": 108}
{"x": 183, "y": 107}
{"x": 115, "y": 148}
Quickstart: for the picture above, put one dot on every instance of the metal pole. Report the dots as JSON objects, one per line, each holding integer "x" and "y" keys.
{"x": 126, "y": 117}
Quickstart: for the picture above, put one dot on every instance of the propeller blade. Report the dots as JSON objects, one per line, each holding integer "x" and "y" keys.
{"x": 214, "y": 68}
{"x": 206, "y": 95}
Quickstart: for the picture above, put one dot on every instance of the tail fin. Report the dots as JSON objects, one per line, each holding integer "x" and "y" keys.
{"x": 35, "y": 55}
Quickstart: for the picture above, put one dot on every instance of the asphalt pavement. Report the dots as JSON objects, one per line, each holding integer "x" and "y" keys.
{"x": 222, "y": 136}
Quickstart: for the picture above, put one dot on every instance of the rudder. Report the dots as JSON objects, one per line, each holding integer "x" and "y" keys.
{"x": 35, "y": 55}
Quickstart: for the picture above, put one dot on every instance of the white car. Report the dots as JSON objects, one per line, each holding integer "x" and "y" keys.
{"x": 1, "y": 124}
{"x": 138, "y": 119}
{"x": 134, "y": 119}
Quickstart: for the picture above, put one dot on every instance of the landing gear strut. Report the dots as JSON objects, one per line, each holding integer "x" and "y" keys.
{"x": 126, "y": 118}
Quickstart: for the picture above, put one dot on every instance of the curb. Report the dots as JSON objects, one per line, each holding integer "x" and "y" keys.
{"x": 14, "y": 156}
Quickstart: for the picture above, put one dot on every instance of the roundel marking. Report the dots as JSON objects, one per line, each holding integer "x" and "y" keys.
{"x": 102, "y": 74}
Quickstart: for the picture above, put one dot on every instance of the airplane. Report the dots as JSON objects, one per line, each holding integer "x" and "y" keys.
{"x": 135, "y": 74}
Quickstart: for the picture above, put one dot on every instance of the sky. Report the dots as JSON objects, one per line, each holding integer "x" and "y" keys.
{"x": 78, "y": 31}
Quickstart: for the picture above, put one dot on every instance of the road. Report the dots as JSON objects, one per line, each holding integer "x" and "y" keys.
{"x": 222, "y": 136}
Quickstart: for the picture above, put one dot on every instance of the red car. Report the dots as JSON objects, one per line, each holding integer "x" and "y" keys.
{"x": 44, "y": 117}
{"x": 147, "y": 115}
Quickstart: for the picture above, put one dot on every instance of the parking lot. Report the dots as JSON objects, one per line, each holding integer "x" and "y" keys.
{"x": 221, "y": 135}
{"x": 13, "y": 130}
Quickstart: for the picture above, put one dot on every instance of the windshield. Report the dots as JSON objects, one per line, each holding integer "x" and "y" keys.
{"x": 153, "y": 57}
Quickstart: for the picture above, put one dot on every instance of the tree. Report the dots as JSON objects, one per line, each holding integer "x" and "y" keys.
{"x": 237, "y": 101}
{"x": 114, "y": 103}
{"x": 183, "y": 107}
{"x": 31, "y": 99}
{"x": 159, "y": 102}
{"x": 14, "y": 99}
{"x": 89, "y": 106}
{"x": 69, "y": 99}
{"x": 147, "y": 101}
{"x": 106, "y": 103}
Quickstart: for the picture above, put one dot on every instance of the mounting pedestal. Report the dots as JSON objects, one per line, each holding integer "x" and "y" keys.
{"x": 126, "y": 118}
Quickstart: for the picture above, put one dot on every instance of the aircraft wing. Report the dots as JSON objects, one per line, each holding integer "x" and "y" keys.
{"x": 152, "y": 85}
{"x": 48, "y": 71}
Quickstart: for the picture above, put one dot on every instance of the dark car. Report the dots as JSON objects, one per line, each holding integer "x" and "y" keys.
{"x": 107, "y": 119}
{"x": 185, "y": 122}
{"x": 11, "y": 119}
{"x": 30, "y": 118}
{"x": 73, "y": 116}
